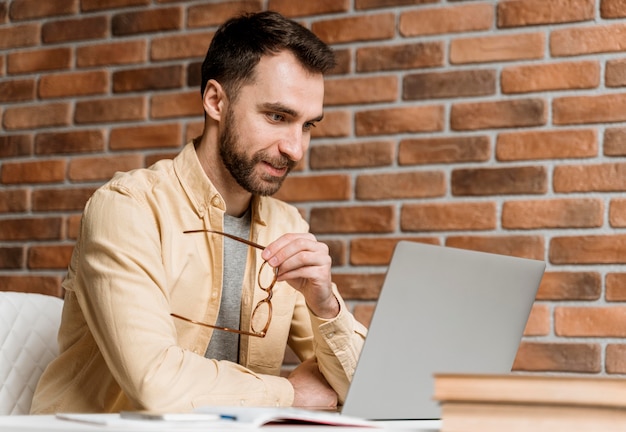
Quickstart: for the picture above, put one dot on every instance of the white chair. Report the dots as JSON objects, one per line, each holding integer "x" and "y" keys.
{"x": 29, "y": 324}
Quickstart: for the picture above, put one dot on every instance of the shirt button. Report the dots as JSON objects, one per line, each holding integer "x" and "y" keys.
{"x": 331, "y": 335}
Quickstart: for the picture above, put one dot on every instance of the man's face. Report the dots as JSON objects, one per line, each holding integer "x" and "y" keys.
{"x": 266, "y": 130}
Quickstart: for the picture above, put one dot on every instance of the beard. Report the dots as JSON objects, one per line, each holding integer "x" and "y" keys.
{"x": 242, "y": 167}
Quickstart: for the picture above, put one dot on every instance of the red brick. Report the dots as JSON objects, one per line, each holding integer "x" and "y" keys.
{"x": 37, "y": 116}
{"x": 48, "y": 285}
{"x": 617, "y": 213}
{"x": 395, "y": 185}
{"x": 17, "y": 90}
{"x": 535, "y": 12}
{"x": 356, "y": 28}
{"x": 11, "y": 258}
{"x": 24, "y": 35}
{"x": 15, "y": 145}
{"x": 498, "y": 114}
{"x": 188, "y": 104}
{"x": 65, "y": 199}
{"x": 4, "y": 12}
{"x": 333, "y": 187}
{"x": 147, "y": 21}
{"x": 110, "y": 110}
{"x": 513, "y": 245}
{"x": 180, "y": 46}
{"x": 554, "y": 76}
{"x": 448, "y": 216}
{"x": 363, "y": 313}
{"x": 289, "y": 8}
{"x": 451, "y": 19}
{"x": 78, "y": 29}
{"x": 558, "y": 357}
{"x": 372, "y": 4}
{"x": 39, "y": 60}
{"x": 400, "y": 120}
{"x": 352, "y": 91}
{"x": 416, "y": 151}
{"x": 212, "y": 14}
{"x": 48, "y": 228}
{"x": 102, "y": 168}
{"x": 30, "y": 9}
{"x": 578, "y": 285}
{"x": 73, "y": 226}
{"x": 38, "y": 171}
{"x": 612, "y": 9}
{"x": 499, "y": 181}
{"x": 93, "y": 5}
{"x": 354, "y": 219}
{"x": 146, "y": 79}
{"x": 616, "y": 287}
{"x": 552, "y": 144}
{"x": 615, "y": 358}
{"x": 116, "y": 53}
{"x": 49, "y": 257}
{"x": 359, "y": 286}
{"x": 602, "y": 108}
{"x": 615, "y": 73}
{"x": 73, "y": 84}
{"x": 588, "y": 249}
{"x": 553, "y": 213}
{"x": 378, "y": 251}
{"x": 79, "y": 141}
{"x": 538, "y": 323}
{"x": 335, "y": 124}
{"x": 14, "y": 200}
{"x": 572, "y": 41}
{"x": 394, "y": 57}
{"x": 589, "y": 178}
{"x": 343, "y": 57}
{"x": 337, "y": 249}
{"x": 452, "y": 84}
{"x": 590, "y": 321}
{"x": 496, "y": 48}
{"x": 351, "y": 155}
{"x": 144, "y": 137}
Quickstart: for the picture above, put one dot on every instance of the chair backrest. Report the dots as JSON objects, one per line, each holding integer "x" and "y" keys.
{"x": 29, "y": 324}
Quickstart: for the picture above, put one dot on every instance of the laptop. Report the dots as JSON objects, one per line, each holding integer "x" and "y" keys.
{"x": 441, "y": 309}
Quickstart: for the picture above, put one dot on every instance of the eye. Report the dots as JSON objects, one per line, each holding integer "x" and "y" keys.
{"x": 275, "y": 117}
{"x": 308, "y": 125}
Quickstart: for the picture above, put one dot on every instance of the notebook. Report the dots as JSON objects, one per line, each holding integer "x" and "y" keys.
{"x": 441, "y": 309}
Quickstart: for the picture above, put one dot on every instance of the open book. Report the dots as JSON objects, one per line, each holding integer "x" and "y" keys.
{"x": 260, "y": 416}
{"x": 225, "y": 417}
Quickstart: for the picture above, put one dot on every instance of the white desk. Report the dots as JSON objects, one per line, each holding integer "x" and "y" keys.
{"x": 51, "y": 423}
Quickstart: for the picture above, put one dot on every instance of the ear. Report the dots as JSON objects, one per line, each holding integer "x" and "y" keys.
{"x": 214, "y": 100}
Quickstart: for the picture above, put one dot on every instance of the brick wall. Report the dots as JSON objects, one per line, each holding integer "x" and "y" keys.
{"x": 491, "y": 125}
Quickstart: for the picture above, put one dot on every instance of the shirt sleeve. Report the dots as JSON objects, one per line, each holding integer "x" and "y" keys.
{"x": 122, "y": 291}
{"x": 338, "y": 343}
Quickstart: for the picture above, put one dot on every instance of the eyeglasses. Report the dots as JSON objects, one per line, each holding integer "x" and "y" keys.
{"x": 266, "y": 280}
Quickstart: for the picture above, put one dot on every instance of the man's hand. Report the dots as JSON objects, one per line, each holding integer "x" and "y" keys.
{"x": 310, "y": 387}
{"x": 305, "y": 264}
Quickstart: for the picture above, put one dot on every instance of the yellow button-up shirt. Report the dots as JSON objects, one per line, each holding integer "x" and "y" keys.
{"x": 132, "y": 266}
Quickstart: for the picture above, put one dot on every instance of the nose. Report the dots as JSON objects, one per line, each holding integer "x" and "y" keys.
{"x": 294, "y": 144}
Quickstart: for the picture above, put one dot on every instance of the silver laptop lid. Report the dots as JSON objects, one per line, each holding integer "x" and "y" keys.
{"x": 441, "y": 309}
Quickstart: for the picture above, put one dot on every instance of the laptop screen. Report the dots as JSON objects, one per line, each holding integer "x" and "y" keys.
{"x": 441, "y": 309}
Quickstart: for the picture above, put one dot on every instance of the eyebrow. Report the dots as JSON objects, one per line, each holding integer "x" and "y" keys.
{"x": 278, "y": 107}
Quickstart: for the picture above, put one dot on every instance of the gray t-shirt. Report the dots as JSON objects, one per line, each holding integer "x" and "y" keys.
{"x": 225, "y": 345}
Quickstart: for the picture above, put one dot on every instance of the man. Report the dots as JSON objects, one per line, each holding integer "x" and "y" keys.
{"x": 168, "y": 306}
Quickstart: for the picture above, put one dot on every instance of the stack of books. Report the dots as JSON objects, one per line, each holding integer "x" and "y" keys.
{"x": 524, "y": 403}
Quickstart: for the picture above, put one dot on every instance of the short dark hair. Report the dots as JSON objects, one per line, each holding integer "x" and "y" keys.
{"x": 239, "y": 44}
